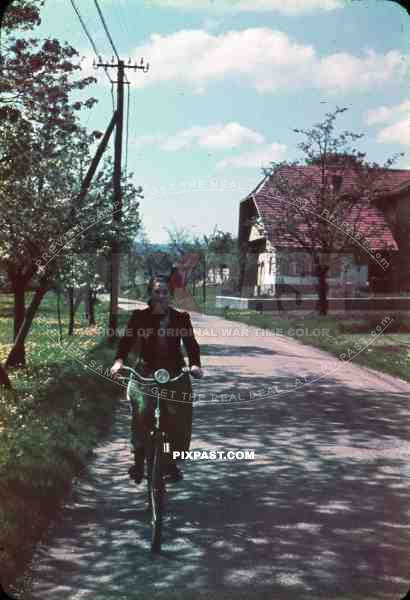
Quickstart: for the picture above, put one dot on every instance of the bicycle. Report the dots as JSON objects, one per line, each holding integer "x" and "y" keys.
{"x": 157, "y": 446}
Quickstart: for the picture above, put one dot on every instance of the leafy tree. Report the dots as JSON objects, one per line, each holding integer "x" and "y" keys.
{"x": 37, "y": 74}
{"x": 36, "y": 210}
{"x": 96, "y": 232}
{"x": 222, "y": 252}
{"x": 186, "y": 251}
{"x": 43, "y": 154}
{"x": 316, "y": 194}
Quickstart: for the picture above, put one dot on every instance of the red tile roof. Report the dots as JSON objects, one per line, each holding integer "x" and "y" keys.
{"x": 366, "y": 219}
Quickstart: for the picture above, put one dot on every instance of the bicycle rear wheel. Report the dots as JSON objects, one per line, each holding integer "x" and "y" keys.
{"x": 156, "y": 490}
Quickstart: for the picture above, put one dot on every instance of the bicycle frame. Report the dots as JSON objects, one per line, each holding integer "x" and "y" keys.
{"x": 144, "y": 380}
{"x": 156, "y": 487}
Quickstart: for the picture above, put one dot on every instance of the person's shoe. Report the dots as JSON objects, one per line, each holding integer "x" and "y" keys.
{"x": 172, "y": 473}
{"x": 136, "y": 472}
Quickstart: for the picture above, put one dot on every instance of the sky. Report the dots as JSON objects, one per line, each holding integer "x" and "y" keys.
{"x": 228, "y": 82}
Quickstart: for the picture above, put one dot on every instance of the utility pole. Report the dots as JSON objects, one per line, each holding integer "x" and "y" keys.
{"x": 117, "y": 196}
{"x": 117, "y": 207}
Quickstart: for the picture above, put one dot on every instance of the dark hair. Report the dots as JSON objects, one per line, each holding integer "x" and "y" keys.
{"x": 160, "y": 278}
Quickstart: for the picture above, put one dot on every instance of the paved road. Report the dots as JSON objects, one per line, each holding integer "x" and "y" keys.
{"x": 321, "y": 512}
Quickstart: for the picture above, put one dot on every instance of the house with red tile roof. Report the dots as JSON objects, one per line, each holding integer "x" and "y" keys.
{"x": 359, "y": 218}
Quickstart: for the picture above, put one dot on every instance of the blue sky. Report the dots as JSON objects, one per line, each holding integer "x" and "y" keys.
{"x": 229, "y": 80}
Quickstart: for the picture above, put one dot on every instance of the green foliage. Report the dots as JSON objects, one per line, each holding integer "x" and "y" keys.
{"x": 216, "y": 251}
{"x": 48, "y": 429}
{"x": 222, "y": 251}
{"x": 21, "y": 15}
{"x": 44, "y": 155}
{"x": 43, "y": 146}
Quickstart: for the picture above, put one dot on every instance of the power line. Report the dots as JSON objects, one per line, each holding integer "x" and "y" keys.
{"x": 106, "y": 29}
{"x": 84, "y": 26}
{"x": 94, "y": 47}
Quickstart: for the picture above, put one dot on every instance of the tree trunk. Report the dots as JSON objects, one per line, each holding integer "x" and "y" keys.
{"x": 92, "y": 296}
{"x": 87, "y": 303}
{"x": 204, "y": 284}
{"x": 19, "y": 278}
{"x": 60, "y": 325}
{"x": 71, "y": 313}
{"x": 26, "y": 325}
{"x": 323, "y": 292}
{"x": 81, "y": 295}
{"x": 19, "y": 355}
{"x": 4, "y": 379}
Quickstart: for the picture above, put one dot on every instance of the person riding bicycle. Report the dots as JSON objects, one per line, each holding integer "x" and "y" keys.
{"x": 159, "y": 329}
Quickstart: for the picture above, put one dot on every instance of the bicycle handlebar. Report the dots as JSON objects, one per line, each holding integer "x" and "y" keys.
{"x": 152, "y": 379}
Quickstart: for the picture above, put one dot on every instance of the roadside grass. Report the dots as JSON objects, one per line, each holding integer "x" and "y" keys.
{"x": 63, "y": 404}
{"x": 371, "y": 341}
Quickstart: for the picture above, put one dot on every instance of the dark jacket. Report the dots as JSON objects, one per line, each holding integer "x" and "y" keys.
{"x": 143, "y": 327}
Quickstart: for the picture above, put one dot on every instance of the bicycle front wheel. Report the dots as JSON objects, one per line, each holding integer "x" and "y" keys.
{"x": 156, "y": 494}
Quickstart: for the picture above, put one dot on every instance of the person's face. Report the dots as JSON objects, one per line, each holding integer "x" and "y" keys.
{"x": 160, "y": 294}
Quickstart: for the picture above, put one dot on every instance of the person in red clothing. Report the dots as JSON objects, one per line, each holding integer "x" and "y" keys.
{"x": 159, "y": 329}
{"x": 179, "y": 278}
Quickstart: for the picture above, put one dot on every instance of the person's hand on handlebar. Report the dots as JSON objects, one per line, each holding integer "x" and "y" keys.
{"x": 196, "y": 372}
{"x": 118, "y": 364}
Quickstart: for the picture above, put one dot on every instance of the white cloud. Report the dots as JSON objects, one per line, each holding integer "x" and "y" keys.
{"x": 286, "y": 7}
{"x": 383, "y": 114}
{"x": 398, "y": 118}
{"x": 219, "y": 136}
{"x": 397, "y": 133}
{"x": 230, "y": 135}
{"x": 379, "y": 115}
{"x": 343, "y": 71}
{"x": 265, "y": 59}
{"x": 258, "y": 158}
{"x": 145, "y": 140}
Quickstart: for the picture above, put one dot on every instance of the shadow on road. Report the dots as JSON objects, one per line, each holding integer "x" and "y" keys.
{"x": 321, "y": 512}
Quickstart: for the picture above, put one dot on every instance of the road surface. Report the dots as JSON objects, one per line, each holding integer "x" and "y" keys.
{"x": 321, "y": 512}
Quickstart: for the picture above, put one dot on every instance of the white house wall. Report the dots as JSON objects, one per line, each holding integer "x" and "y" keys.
{"x": 256, "y": 233}
{"x": 352, "y": 275}
{"x": 266, "y": 280}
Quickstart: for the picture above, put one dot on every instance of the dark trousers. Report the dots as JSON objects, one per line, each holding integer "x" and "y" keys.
{"x": 176, "y": 413}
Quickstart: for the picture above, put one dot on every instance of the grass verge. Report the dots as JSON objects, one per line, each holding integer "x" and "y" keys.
{"x": 62, "y": 407}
